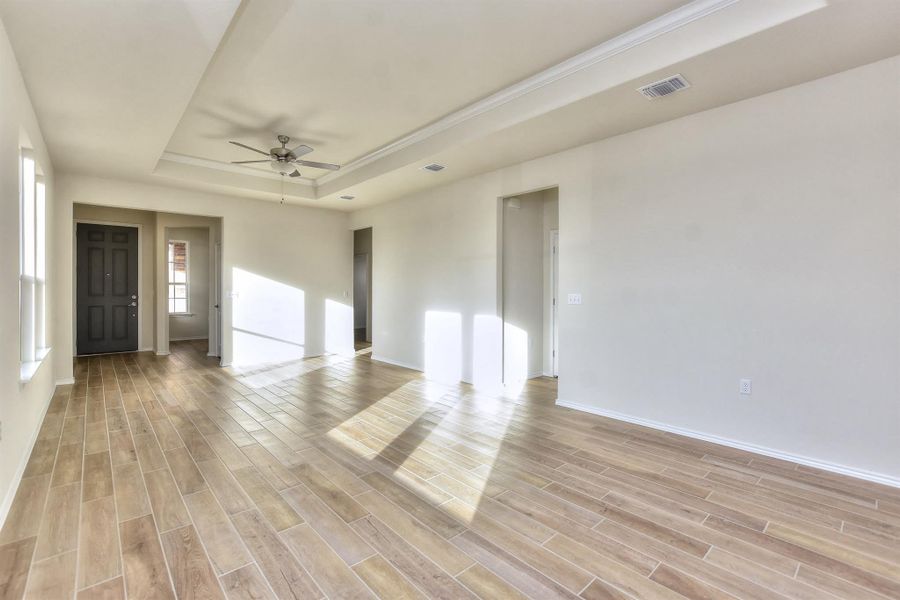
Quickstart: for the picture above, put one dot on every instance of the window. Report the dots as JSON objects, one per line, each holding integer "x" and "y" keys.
{"x": 32, "y": 266}
{"x": 178, "y": 277}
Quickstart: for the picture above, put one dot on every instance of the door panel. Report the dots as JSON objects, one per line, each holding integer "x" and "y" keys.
{"x": 107, "y": 287}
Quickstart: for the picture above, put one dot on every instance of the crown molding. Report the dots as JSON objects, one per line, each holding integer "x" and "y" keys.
{"x": 671, "y": 21}
{"x": 662, "y": 25}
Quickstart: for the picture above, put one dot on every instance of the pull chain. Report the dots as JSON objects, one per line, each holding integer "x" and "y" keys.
{"x": 282, "y": 189}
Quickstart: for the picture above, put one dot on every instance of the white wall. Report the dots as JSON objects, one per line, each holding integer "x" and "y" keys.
{"x": 22, "y": 406}
{"x": 760, "y": 239}
{"x": 435, "y": 254}
{"x": 195, "y": 325}
{"x": 291, "y": 267}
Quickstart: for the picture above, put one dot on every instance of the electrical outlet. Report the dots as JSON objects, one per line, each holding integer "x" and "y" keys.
{"x": 746, "y": 387}
{"x": 574, "y": 298}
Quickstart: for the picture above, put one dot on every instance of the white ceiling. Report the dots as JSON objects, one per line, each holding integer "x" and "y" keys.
{"x": 347, "y": 77}
{"x": 154, "y": 89}
{"x": 108, "y": 79}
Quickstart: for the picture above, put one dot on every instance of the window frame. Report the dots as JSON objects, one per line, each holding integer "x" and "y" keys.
{"x": 33, "y": 342}
{"x": 187, "y": 279}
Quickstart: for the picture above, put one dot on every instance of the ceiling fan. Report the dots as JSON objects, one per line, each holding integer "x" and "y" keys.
{"x": 285, "y": 160}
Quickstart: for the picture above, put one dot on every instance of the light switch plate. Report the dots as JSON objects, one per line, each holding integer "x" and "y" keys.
{"x": 574, "y": 298}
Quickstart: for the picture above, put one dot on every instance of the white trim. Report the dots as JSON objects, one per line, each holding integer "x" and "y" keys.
{"x": 188, "y": 339}
{"x": 796, "y": 458}
{"x": 65, "y": 381}
{"x": 140, "y": 312}
{"x": 396, "y": 363}
{"x": 158, "y": 353}
{"x": 23, "y": 463}
{"x": 642, "y": 34}
{"x": 147, "y": 349}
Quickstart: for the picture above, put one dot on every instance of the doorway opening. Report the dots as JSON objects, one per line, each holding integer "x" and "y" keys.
{"x": 191, "y": 298}
{"x": 362, "y": 289}
{"x": 529, "y": 281}
{"x": 144, "y": 279}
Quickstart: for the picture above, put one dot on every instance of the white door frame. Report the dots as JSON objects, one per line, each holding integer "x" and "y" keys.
{"x": 140, "y": 325}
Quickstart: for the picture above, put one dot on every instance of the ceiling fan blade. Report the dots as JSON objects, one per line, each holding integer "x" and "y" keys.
{"x": 248, "y": 147}
{"x": 318, "y": 165}
{"x": 244, "y": 162}
{"x": 296, "y": 173}
{"x": 301, "y": 150}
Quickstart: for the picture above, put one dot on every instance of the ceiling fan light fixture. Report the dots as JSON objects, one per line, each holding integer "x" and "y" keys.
{"x": 281, "y": 167}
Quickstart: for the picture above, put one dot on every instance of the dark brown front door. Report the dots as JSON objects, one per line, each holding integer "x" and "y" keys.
{"x": 107, "y": 288}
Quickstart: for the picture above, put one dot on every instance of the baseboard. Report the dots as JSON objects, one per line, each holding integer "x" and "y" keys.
{"x": 158, "y": 353}
{"x": 20, "y": 470}
{"x": 147, "y": 349}
{"x": 189, "y": 339}
{"x": 65, "y": 381}
{"x": 706, "y": 437}
{"x": 396, "y": 363}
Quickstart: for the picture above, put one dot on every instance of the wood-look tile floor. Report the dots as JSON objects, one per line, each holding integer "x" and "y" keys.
{"x": 167, "y": 477}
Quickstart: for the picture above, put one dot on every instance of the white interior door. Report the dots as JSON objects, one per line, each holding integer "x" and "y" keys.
{"x": 217, "y": 298}
{"x": 554, "y": 293}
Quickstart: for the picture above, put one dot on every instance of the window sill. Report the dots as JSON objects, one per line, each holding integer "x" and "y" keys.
{"x": 181, "y": 314}
{"x": 27, "y": 370}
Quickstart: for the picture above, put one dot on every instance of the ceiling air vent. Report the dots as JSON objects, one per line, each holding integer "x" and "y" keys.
{"x": 664, "y": 87}
{"x": 434, "y": 167}
{"x": 347, "y": 197}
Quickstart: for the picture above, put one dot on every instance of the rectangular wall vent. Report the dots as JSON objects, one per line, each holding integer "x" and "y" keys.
{"x": 664, "y": 87}
{"x": 434, "y": 167}
{"x": 347, "y": 197}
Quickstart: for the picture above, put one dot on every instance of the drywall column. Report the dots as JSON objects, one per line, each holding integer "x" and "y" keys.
{"x": 523, "y": 287}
